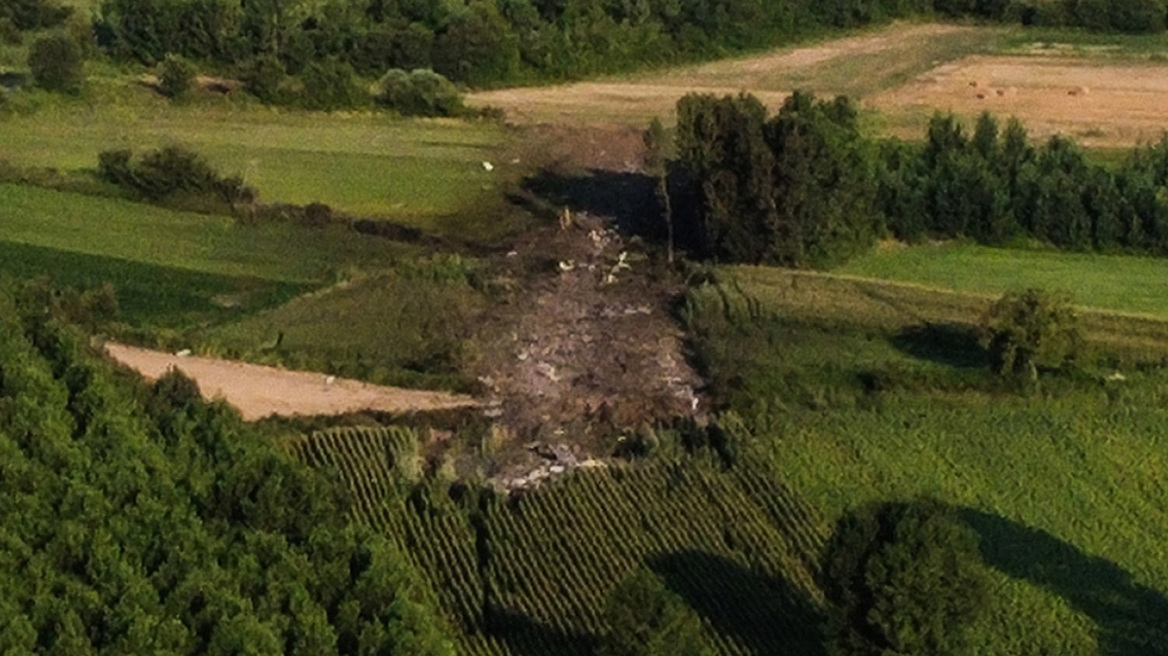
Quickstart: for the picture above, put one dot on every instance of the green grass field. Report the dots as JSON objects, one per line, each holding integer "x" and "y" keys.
{"x": 856, "y": 405}
{"x": 399, "y": 328}
{"x": 413, "y": 171}
{"x": 1111, "y": 282}
{"x": 174, "y": 269}
{"x": 187, "y": 241}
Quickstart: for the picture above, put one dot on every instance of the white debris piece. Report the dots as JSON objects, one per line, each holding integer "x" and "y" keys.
{"x": 183, "y": 353}
{"x": 487, "y": 166}
{"x": 329, "y": 380}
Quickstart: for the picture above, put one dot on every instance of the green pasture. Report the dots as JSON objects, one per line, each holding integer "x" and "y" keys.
{"x": 174, "y": 269}
{"x": 413, "y": 171}
{"x": 181, "y": 240}
{"x": 149, "y": 295}
{"x": 1113, "y": 282}
{"x": 408, "y": 327}
{"x": 862, "y": 393}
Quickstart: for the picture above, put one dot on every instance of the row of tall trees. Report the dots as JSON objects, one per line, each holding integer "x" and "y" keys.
{"x": 489, "y": 42}
{"x": 995, "y": 186}
{"x": 796, "y": 189}
{"x": 479, "y": 42}
{"x": 806, "y": 188}
{"x": 137, "y": 520}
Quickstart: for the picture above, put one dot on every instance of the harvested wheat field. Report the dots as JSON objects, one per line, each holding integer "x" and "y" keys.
{"x": 1099, "y": 103}
{"x": 855, "y": 66}
{"x": 258, "y": 391}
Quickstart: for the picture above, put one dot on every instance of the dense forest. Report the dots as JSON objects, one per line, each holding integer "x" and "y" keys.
{"x": 805, "y": 187}
{"x": 324, "y": 46}
{"x": 141, "y": 520}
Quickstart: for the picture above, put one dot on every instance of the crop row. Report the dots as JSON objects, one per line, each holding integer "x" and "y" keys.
{"x": 534, "y": 572}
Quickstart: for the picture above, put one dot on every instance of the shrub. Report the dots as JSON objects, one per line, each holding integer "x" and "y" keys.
{"x": 263, "y": 78}
{"x": 419, "y": 93}
{"x": 643, "y": 618}
{"x": 56, "y": 64}
{"x": 317, "y": 215}
{"x": 176, "y": 76}
{"x": 1024, "y": 331}
{"x": 167, "y": 172}
{"x": 330, "y": 84}
{"x": 903, "y": 579}
{"x": 10, "y": 33}
{"x": 33, "y": 14}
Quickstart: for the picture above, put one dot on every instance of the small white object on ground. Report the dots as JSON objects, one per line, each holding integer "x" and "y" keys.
{"x": 487, "y": 166}
{"x": 183, "y": 353}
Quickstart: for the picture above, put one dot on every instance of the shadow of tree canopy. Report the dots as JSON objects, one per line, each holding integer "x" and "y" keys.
{"x": 762, "y": 613}
{"x": 527, "y": 637}
{"x": 1132, "y": 618}
{"x": 630, "y": 199}
{"x": 948, "y": 343}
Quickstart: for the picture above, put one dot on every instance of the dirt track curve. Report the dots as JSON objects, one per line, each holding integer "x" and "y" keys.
{"x": 258, "y": 391}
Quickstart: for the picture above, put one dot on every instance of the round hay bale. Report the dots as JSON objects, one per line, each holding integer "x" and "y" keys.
{"x": 981, "y": 96}
{"x": 1000, "y": 92}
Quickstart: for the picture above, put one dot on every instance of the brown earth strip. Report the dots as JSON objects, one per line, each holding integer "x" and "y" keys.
{"x": 258, "y": 391}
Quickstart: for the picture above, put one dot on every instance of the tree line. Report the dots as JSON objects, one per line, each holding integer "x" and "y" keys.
{"x": 806, "y": 188}
{"x": 495, "y": 42}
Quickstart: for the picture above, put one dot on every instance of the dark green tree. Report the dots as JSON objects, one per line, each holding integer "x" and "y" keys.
{"x": 903, "y": 578}
{"x": 643, "y": 618}
{"x": 1032, "y": 329}
{"x": 824, "y": 183}
{"x": 657, "y": 165}
{"x": 56, "y": 64}
{"x": 176, "y": 76}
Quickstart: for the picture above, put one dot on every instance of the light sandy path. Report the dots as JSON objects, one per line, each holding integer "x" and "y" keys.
{"x": 637, "y": 98}
{"x": 258, "y": 391}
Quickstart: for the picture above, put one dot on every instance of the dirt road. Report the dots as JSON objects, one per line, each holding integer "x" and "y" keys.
{"x": 832, "y": 66}
{"x": 258, "y": 391}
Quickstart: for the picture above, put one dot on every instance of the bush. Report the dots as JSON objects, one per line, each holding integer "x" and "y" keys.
{"x": 419, "y": 93}
{"x": 56, "y": 64}
{"x": 162, "y": 174}
{"x": 1024, "y": 331}
{"x": 263, "y": 78}
{"x": 903, "y": 579}
{"x": 317, "y": 215}
{"x": 10, "y": 33}
{"x": 33, "y": 14}
{"x": 643, "y": 618}
{"x": 176, "y": 76}
{"x": 330, "y": 85}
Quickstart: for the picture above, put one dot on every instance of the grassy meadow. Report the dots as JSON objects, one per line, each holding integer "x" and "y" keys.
{"x": 174, "y": 269}
{"x": 412, "y": 171}
{"x": 860, "y": 395}
{"x": 406, "y": 327}
{"x": 1111, "y": 282}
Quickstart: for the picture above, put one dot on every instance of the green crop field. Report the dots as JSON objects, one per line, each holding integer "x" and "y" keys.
{"x": 413, "y": 171}
{"x": 1113, "y": 282}
{"x": 861, "y": 394}
{"x": 531, "y": 575}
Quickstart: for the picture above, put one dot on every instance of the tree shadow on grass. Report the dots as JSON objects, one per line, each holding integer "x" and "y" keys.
{"x": 1132, "y": 618}
{"x": 948, "y": 343}
{"x": 762, "y": 613}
